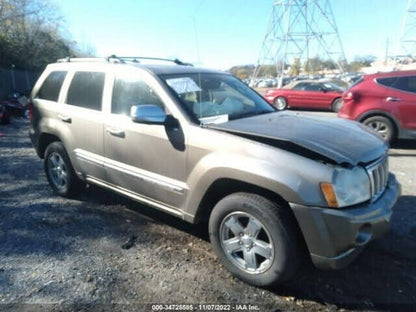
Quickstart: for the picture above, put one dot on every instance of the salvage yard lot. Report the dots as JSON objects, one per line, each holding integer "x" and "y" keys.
{"x": 100, "y": 251}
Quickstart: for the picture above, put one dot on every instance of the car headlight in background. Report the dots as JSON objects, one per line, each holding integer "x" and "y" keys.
{"x": 348, "y": 187}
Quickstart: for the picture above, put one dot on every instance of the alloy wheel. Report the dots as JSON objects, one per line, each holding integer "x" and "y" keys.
{"x": 246, "y": 242}
{"x": 57, "y": 170}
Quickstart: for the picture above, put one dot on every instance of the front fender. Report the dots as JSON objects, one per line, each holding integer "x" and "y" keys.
{"x": 293, "y": 178}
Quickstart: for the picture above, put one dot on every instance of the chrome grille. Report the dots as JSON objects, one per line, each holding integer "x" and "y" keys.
{"x": 378, "y": 173}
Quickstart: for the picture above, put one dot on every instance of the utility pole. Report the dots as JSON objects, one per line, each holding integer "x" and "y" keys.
{"x": 300, "y": 30}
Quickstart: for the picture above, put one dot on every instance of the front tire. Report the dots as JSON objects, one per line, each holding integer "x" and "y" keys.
{"x": 255, "y": 239}
{"x": 60, "y": 172}
{"x": 280, "y": 103}
{"x": 382, "y": 126}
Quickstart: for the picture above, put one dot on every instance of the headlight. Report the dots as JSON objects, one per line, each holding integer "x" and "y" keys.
{"x": 348, "y": 187}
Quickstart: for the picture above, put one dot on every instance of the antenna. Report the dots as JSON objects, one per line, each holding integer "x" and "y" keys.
{"x": 298, "y": 31}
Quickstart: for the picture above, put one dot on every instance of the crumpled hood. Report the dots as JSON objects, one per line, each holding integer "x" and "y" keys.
{"x": 340, "y": 140}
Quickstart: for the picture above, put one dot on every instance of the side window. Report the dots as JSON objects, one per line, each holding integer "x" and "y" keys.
{"x": 311, "y": 87}
{"x": 129, "y": 91}
{"x": 411, "y": 84}
{"x": 299, "y": 86}
{"x": 51, "y": 86}
{"x": 86, "y": 90}
{"x": 407, "y": 84}
{"x": 387, "y": 82}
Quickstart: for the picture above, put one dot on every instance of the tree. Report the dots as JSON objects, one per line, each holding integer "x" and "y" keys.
{"x": 360, "y": 61}
{"x": 31, "y": 34}
{"x": 313, "y": 65}
{"x": 243, "y": 71}
{"x": 295, "y": 68}
{"x": 329, "y": 64}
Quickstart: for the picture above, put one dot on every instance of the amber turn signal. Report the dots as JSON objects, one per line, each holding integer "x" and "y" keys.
{"x": 329, "y": 194}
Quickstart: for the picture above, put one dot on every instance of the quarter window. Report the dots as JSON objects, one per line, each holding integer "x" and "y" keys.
{"x": 51, "y": 86}
{"x": 86, "y": 90}
{"x": 129, "y": 91}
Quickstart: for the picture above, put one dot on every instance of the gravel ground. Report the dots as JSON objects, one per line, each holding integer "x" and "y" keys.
{"x": 100, "y": 251}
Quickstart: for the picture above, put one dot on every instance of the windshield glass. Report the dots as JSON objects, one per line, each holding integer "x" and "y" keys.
{"x": 216, "y": 98}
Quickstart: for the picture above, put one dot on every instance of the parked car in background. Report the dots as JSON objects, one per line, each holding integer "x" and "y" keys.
{"x": 385, "y": 102}
{"x": 17, "y": 103}
{"x": 4, "y": 114}
{"x": 307, "y": 94}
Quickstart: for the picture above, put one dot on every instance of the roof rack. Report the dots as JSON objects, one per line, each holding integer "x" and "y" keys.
{"x": 136, "y": 59}
{"x": 81, "y": 59}
{"x": 120, "y": 59}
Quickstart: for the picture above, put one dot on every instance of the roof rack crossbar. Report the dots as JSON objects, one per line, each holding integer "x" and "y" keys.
{"x": 137, "y": 58}
{"x": 121, "y": 59}
{"x": 81, "y": 59}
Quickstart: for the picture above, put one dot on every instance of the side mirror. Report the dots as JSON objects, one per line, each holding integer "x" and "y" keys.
{"x": 148, "y": 114}
{"x": 324, "y": 90}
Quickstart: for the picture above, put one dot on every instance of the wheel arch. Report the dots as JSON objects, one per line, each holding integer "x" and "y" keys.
{"x": 225, "y": 186}
{"x": 44, "y": 140}
{"x": 373, "y": 113}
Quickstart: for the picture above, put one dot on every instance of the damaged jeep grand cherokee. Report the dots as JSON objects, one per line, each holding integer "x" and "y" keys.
{"x": 201, "y": 145}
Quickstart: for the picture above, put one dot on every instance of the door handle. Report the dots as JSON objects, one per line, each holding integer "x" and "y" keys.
{"x": 116, "y": 132}
{"x": 65, "y": 118}
{"x": 393, "y": 99}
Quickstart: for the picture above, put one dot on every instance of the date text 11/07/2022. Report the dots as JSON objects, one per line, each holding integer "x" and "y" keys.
{"x": 205, "y": 307}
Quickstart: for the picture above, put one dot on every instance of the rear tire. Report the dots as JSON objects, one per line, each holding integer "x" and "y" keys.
{"x": 280, "y": 103}
{"x": 256, "y": 239}
{"x": 336, "y": 105}
{"x": 60, "y": 172}
{"x": 383, "y": 126}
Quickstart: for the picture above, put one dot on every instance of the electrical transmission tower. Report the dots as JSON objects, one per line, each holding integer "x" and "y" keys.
{"x": 300, "y": 31}
{"x": 408, "y": 33}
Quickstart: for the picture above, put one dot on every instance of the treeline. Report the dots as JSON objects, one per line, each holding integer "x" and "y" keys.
{"x": 31, "y": 35}
{"x": 312, "y": 66}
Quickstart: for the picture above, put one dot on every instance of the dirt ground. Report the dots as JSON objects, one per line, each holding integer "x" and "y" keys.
{"x": 102, "y": 252}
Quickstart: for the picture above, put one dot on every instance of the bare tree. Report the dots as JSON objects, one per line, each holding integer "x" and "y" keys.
{"x": 31, "y": 34}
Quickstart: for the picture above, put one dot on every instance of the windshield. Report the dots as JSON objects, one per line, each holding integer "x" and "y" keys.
{"x": 216, "y": 98}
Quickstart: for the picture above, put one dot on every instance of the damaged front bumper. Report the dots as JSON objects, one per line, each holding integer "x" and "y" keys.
{"x": 335, "y": 237}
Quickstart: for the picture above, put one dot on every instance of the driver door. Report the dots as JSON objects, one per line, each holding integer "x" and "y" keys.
{"x": 143, "y": 160}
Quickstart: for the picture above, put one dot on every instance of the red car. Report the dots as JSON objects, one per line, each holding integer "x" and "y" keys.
{"x": 385, "y": 102}
{"x": 4, "y": 115}
{"x": 307, "y": 94}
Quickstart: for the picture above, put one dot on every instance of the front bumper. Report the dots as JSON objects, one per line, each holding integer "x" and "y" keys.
{"x": 335, "y": 237}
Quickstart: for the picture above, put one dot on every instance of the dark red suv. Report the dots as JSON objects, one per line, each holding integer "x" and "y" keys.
{"x": 385, "y": 102}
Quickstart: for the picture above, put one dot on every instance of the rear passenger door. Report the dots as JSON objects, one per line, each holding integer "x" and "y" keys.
{"x": 81, "y": 122}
